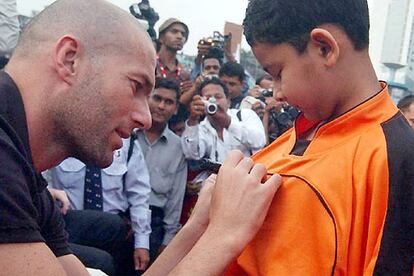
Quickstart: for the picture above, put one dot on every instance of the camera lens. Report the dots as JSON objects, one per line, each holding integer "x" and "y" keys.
{"x": 211, "y": 108}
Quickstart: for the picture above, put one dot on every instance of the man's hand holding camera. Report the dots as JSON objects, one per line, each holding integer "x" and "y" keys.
{"x": 198, "y": 108}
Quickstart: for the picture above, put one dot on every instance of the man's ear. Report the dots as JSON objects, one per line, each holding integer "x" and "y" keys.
{"x": 66, "y": 54}
{"x": 161, "y": 39}
{"x": 326, "y": 44}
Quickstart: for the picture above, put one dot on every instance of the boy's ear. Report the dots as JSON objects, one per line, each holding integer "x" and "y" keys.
{"x": 327, "y": 45}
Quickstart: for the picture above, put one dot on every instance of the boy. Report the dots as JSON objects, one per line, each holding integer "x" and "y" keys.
{"x": 346, "y": 204}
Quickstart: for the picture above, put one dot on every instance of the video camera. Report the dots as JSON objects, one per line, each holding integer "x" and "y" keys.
{"x": 143, "y": 11}
{"x": 287, "y": 114}
{"x": 217, "y": 41}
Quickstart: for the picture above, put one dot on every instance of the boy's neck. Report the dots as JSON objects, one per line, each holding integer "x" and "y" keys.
{"x": 361, "y": 84}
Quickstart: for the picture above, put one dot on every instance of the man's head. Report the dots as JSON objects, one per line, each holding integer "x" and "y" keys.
{"x": 265, "y": 81}
{"x": 214, "y": 87}
{"x": 173, "y": 34}
{"x": 311, "y": 51}
{"x": 232, "y": 74}
{"x": 163, "y": 101}
{"x": 211, "y": 62}
{"x": 91, "y": 72}
{"x": 406, "y": 105}
{"x": 177, "y": 122}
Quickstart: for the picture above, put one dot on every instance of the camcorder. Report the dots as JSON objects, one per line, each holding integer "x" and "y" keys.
{"x": 286, "y": 116}
{"x": 143, "y": 11}
{"x": 217, "y": 42}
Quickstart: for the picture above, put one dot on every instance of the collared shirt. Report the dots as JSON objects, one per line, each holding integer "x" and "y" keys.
{"x": 9, "y": 26}
{"x": 168, "y": 173}
{"x": 27, "y": 210}
{"x": 246, "y": 135}
{"x": 117, "y": 197}
{"x": 164, "y": 72}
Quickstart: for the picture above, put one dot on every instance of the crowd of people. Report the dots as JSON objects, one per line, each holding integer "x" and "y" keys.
{"x": 123, "y": 206}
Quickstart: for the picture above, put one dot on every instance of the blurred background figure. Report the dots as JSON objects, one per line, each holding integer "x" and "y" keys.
{"x": 9, "y": 30}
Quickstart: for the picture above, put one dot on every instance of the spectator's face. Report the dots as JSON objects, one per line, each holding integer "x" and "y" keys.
{"x": 233, "y": 84}
{"x": 409, "y": 115}
{"x": 174, "y": 37}
{"x": 266, "y": 84}
{"x": 216, "y": 91}
{"x": 108, "y": 100}
{"x": 211, "y": 66}
{"x": 163, "y": 105}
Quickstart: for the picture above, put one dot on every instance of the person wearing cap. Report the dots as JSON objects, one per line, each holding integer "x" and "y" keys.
{"x": 173, "y": 34}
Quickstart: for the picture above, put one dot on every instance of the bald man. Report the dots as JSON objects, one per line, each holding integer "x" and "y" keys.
{"x": 76, "y": 85}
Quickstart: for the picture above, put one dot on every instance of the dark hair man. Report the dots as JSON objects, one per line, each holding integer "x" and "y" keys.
{"x": 72, "y": 90}
{"x": 210, "y": 66}
{"x": 173, "y": 34}
{"x": 166, "y": 165}
{"x": 220, "y": 132}
{"x": 346, "y": 205}
{"x": 116, "y": 198}
{"x": 406, "y": 105}
{"x": 232, "y": 74}
{"x": 52, "y": 108}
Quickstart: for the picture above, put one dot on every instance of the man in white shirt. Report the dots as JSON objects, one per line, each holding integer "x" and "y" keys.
{"x": 125, "y": 191}
{"x": 222, "y": 131}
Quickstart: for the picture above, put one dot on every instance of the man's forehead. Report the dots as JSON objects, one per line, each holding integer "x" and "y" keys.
{"x": 176, "y": 26}
{"x": 211, "y": 61}
{"x": 212, "y": 88}
{"x": 230, "y": 79}
{"x": 164, "y": 92}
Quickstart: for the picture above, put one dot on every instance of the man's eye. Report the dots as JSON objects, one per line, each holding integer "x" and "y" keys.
{"x": 138, "y": 86}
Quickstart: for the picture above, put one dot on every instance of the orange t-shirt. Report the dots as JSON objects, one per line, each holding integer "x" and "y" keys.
{"x": 346, "y": 206}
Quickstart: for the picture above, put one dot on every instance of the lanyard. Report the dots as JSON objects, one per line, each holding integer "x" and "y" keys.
{"x": 163, "y": 72}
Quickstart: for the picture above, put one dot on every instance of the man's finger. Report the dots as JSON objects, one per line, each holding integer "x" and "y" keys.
{"x": 233, "y": 159}
{"x": 258, "y": 171}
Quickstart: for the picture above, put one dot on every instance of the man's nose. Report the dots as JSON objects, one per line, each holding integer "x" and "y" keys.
{"x": 180, "y": 35}
{"x": 142, "y": 116}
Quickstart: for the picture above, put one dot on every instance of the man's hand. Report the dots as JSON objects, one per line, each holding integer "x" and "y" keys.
{"x": 141, "y": 258}
{"x": 240, "y": 201}
{"x": 255, "y": 91}
{"x": 202, "y": 50}
{"x": 272, "y": 105}
{"x": 197, "y": 109}
{"x": 259, "y": 109}
{"x": 185, "y": 86}
{"x": 60, "y": 195}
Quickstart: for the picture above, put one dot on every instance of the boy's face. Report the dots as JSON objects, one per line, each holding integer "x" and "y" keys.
{"x": 297, "y": 78}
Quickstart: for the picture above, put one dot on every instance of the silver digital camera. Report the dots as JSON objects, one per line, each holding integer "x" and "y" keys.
{"x": 211, "y": 105}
